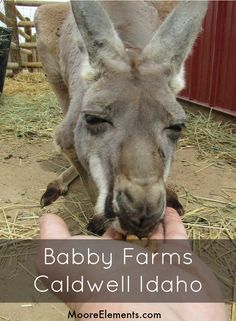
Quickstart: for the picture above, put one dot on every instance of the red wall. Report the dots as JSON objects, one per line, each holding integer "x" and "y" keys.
{"x": 211, "y": 68}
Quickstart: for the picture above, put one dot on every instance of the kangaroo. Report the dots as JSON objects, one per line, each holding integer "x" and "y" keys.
{"x": 116, "y": 71}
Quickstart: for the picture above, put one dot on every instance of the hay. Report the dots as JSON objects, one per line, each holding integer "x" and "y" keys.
{"x": 19, "y": 227}
{"x": 213, "y": 140}
{"x": 28, "y": 108}
{"x": 213, "y": 220}
{"x": 207, "y": 218}
{"x": 27, "y": 83}
{"x": 20, "y": 221}
{"x": 204, "y": 218}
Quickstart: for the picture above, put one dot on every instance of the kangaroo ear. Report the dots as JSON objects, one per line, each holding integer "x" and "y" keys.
{"x": 101, "y": 39}
{"x": 174, "y": 39}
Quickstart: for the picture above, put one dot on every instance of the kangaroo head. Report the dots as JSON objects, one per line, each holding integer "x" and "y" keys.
{"x": 130, "y": 120}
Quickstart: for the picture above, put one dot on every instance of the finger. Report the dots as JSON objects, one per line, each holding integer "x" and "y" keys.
{"x": 158, "y": 233}
{"x": 110, "y": 233}
{"x": 173, "y": 226}
{"x": 53, "y": 227}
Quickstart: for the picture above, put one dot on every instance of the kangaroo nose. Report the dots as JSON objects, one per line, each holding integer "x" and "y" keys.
{"x": 125, "y": 200}
{"x": 139, "y": 212}
{"x": 129, "y": 209}
{"x": 139, "y": 203}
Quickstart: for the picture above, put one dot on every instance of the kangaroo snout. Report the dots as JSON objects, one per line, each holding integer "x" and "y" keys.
{"x": 139, "y": 206}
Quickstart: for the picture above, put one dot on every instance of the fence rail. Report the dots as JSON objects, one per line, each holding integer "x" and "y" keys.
{"x": 23, "y": 52}
{"x": 32, "y": 3}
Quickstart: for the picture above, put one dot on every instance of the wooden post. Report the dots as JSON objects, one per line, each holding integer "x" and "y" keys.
{"x": 4, "y": 19}
{"x": 28, "y": 45}
{"x": 19, "y": 15}
{"x": 10, "y": 12}
{"x": 15, "y": 65}
{"x": 28, "y": 31}
{"x": 23, "y": 34}
{"x": 26, "y": 23}
{"x": 32, "y": 3}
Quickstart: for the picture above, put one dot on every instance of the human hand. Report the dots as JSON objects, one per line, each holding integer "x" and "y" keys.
{"x": 172, "y": 228}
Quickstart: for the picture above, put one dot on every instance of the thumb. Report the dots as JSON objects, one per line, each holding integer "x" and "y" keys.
{"x": 173, "y": 226}
{"x": 53, "y": 227}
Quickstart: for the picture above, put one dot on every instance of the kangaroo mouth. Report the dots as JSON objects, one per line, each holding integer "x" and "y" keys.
{"x": 140, "y": 227}
{"x": 140, "y": 231}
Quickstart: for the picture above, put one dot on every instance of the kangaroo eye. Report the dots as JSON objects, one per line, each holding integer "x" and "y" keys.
{"x": 176, "y": 127}
{"x": 97, "y": 125}
{"x": 174, "y": 131}
{"x": 95, "y": 120}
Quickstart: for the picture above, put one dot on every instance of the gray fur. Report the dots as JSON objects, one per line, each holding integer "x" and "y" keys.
{"x": 97, "y": 30}
{"x": 173, "y": 41}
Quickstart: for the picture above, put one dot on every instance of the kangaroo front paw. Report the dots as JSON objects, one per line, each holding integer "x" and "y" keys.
{"x": 172, "y": 201}
{"x": 97, "y": 225}
{"x": 52, "y": 193}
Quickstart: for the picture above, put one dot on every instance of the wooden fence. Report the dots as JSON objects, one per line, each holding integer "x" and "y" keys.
{"x": 23, "y": 54}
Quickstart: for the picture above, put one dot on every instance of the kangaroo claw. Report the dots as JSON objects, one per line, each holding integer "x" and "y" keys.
{"x": 172, "y": 201}
{"x": 51, "y": 195}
